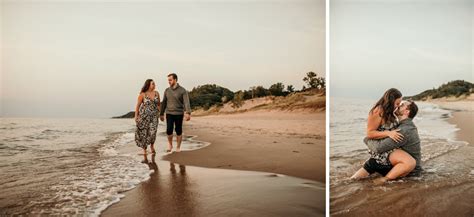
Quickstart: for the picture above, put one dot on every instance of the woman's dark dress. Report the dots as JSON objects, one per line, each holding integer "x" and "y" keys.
{"x": 383, "y": 158}
{"x": 147, "y": 123}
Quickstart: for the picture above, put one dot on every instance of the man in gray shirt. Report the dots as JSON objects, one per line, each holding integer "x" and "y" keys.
{"x": 177, "y": 107}
{"x": 410, "y": 144}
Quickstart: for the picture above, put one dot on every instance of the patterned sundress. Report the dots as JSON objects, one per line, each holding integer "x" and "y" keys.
{"x": 383, "y": 158}
{"x": 147, "y": 123}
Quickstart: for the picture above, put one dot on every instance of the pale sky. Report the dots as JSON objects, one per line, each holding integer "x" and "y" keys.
{"x": 90, "y": 58}
{"x": 411, "y": 45}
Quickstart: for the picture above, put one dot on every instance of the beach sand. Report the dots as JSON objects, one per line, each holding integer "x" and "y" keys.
{"x": 452, "y": 103}
{"x": 462, "y": 116}
{"x": 279, "y": 142}
{"x": 464, "y": 120}
{"x": 219, "y": 179}
{"x": 447, "y": 190}
{"x": 178, "y": 190}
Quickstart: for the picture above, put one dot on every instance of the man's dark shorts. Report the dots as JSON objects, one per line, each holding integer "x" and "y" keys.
{"x": 371, "y": 166}
{"x": 176, "y": 122}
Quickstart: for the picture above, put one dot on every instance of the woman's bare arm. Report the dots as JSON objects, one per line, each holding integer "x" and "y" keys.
{"x": 374, "y": 121}
{"x": 137, "y": 107}
{"x": 159, "y": 102}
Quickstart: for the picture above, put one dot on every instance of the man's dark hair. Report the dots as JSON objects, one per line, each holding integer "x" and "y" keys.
{"x": 413, "y": 108}
{"x": 175, "y": 77}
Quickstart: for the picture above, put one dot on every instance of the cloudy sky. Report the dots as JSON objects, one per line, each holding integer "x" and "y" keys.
{"x": 89, "y": 58}
{"x": 411, "y": 45}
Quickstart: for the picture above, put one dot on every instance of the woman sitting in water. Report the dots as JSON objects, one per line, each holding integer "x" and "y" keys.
{"x": 382, "y": 123}
{"x": 146, "y": 116}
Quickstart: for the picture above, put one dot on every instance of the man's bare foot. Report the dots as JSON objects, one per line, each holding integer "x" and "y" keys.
{"x": 170, "y": 147}
{"x": 380, "y": 181}
{"x": 178, "y": 149}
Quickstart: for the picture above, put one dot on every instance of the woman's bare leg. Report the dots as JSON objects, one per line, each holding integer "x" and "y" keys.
{"x": 360, "y": 174}
{"x": 403, "y": 163}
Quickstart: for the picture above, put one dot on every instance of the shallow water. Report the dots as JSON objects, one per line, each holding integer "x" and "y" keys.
{"x": 179, "y": 190}
{"x": 68, "y": 166}
{"x": 447, "y": 165}
{"x": 83, "y": 166}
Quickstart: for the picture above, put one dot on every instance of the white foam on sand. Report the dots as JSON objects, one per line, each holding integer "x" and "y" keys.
{"x": 93, "y": 188}
{"x": 438, "y": 136}
{"x": 122, "y": 171}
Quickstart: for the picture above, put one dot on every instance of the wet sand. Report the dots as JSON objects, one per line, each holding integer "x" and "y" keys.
{"x": 464, "y": 120}
{"x": 445, "y": 189}
{"x": 178, "y": 190}
{"x": 220, "y": 187}
{"x": 285, "y": 143}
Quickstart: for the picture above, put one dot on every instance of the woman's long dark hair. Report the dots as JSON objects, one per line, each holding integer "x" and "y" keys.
{"x": 387, "y": 104}
{"x": 146, "y": 85}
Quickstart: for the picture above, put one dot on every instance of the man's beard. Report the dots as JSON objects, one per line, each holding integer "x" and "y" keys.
{"x": 398, "y": 113}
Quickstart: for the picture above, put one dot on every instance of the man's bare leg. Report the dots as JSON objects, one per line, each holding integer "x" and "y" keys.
{"x": 178, "y": 142}
{"x": 360, "y": 174}
{"x": 403, "y": 163}
{"x": 170, "y": 143}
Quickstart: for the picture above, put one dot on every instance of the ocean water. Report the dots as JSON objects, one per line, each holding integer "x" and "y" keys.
{"x": 80, "y": 167}
{"x": 348, "y": 123}
{"x": 69, "y": 166}
{"x": 445, "y": 183}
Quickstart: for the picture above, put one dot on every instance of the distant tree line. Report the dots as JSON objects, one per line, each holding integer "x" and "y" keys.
{"x": 455, "y": 88}
{"x": 206, "y": 96}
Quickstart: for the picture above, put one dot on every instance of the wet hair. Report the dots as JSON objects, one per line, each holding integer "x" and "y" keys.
{"x": 386, "y": 103}
{"x": 146, "y": 86}
{"x": 175, "y": 77}
{"x": 413, "y": 108}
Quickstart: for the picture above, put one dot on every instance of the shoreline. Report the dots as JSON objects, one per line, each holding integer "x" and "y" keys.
{"x": 444, "y": 189}
{"x": 180, "y": 190}
{"x": 462, "y": 115}
{"x": 260, "y": 145}
{"x": 454, "y": 104}
{"x": 230, "y": 176}
{"x": 464, "y": 121}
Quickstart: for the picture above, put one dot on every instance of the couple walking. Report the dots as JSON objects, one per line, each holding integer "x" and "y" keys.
{"x": 176, "y": 106}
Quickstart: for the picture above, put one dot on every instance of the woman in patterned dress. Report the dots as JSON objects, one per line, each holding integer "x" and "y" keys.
{"x": 382, "y": 122}
{"x": 146, "y": 116}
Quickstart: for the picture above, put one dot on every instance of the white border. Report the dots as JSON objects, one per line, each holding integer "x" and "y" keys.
{"x": 328, "y": 108}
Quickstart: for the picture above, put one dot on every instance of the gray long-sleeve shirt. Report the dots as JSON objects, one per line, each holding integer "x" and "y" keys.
{"x": 175, "y": 101}
{"x": 410, "y": 142}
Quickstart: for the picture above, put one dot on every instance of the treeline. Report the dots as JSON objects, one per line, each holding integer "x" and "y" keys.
{"x": 206, "y": 96}
{"x": 455, "y": 88}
